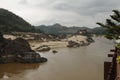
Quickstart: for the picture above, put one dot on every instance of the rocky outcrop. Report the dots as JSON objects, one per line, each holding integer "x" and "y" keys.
{"x": 75, "y": 44}
{"x": 43, "y": 48}
{"x": 18, "y": 50}
{"x": 72, "y": 44}
{"x": 29, "y": 57}
{"x": 1, "y": 37}
{"x": 54, "y": 51}
{"x": 80, "y": 38}
{"x": 90, "y": 40}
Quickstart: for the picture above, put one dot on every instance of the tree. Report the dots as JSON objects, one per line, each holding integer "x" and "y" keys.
{"x": 112, "y": 26}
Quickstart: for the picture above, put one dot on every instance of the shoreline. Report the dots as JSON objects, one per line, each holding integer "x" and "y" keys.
{"x": 61, "y": 43}
{"x": 51, "y": 44}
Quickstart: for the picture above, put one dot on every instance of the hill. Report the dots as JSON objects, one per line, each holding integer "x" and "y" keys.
{"x": 57, "y": 29}
{"x": 11, "y": 22}
{"x": 98, "y": 31}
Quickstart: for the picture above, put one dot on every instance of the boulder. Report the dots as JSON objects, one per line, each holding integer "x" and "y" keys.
{"x": 18, "y": 50}
{"x": 29, "y": 57}
{"x": 73, "y": 44}
{"x": 43, "y": 59}
{"x": 54, "y": 51}
{"x": 1, "y": 37}
{"x": 43, "y": 48}
{"x": 76, "y": 44}
{"x": 12, "y": 47}
{"x": 90, "y": 40}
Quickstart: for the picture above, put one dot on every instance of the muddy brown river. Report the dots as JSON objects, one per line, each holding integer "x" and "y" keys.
{"x": 83, "y": 63}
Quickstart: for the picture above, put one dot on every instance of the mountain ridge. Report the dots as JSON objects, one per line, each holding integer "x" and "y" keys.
{"x": 57, "y": 29}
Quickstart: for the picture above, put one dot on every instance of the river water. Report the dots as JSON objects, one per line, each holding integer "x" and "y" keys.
{"x": 83, "y": 63}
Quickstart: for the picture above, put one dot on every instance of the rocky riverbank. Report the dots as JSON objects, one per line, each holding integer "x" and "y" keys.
{"x": 18, "y": 50}
{"x": 38, "y": 41}
{"x": 81, "y": 38}
{"x": 21, "y": 46}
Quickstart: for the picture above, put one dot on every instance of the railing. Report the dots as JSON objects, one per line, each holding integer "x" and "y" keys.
{"x": 110, "y": 67}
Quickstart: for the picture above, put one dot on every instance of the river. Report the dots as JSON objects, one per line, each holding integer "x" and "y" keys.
{"x": 83, "y": 63}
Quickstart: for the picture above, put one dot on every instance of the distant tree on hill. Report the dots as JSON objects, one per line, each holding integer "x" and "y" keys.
{"x": 112, "y": 26}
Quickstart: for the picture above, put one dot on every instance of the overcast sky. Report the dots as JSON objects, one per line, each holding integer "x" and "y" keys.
{"x": 66, "y": 12}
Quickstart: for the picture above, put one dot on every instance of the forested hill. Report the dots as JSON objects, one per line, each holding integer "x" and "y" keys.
{"x": 11, "y": 22}
{"x": 57, "y": 29}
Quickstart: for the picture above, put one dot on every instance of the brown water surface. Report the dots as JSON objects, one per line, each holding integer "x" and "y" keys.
{"x": 83, "y": 63}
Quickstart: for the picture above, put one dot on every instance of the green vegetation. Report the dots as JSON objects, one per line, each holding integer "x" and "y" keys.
{"x": 57, "y": 29}
{"x": 98, "y": 31}
{"x": 118, "y": 45}
{"x": 112, "y": 26}
{"x": 10, "y": 22}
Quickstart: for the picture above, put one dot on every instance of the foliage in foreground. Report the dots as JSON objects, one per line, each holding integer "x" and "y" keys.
{"x": 112, "y": 26}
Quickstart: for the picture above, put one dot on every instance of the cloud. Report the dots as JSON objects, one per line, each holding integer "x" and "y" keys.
{"x": 23, "y": 2}
{"x": 90, "y": 7}
{"x": 101, "y": 6}
{"x": 66, "y": 12}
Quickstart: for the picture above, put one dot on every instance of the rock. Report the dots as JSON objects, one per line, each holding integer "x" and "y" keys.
{"x": 1, "y": 37}
{"x": 76, "y": 44}
{"x": 29, "y": 57}
{"x": 43, "y": 59}
{"x": 90, "y": 40}
{"x": 73, "y": 44}
{"x": 43, "y": 48}
{"x": 54, "y": 51}
{"x": 22, "y": 44}
{"x": 13, "y": 47}
{"x": 80, "y": 34}
{"x": 18, "y": 50}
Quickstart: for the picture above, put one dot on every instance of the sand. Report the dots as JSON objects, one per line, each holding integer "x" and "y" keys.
{"x": 59, "y": 44}
{"x": 9, "y": 37}
{"x": 53, "y": 44}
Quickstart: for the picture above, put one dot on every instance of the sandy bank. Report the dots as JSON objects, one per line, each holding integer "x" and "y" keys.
{"x": 59, "y": 44}
{"x": 53, "y": 44}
